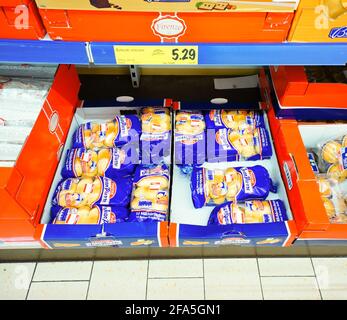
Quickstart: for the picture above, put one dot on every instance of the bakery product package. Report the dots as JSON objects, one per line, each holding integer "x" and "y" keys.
{"x": 150, "y": 197}
{"x": 234, "y": 119}
{"x": 121, "y": 130}
{"x": 255, "y": 211}
{"x": 103, "y": 191}
{"x": 237, "y": 145}
{"x": 333, "y": 197}
{"x": 190, "y": 138}
{"x": 214, "y": 187}
{"x": 155, "y": 140}
{"x": 89, "y": 215}
{"x": 110, "y": 162}
{"x": 332, "y": 157}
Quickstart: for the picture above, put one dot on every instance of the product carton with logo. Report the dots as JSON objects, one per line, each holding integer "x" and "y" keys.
{"x": 320, "y": 21}
{"x": 20, "y": 19}
{"x": 167, "y": 20}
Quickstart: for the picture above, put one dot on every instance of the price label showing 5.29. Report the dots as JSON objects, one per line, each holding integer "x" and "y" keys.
{"x": 157, "y": 55}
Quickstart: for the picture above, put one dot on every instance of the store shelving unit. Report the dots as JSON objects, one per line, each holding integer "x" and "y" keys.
{"x": 102, "y": 53}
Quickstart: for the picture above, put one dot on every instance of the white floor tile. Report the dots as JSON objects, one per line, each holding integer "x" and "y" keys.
{"x": 290, "y": 288}
{"x": 118, "y": 280}
{"x": 175, "y": 289}
{"x": 232, "y": 279}
{"x": 175, "y": 268}
{"x": 15, "y": 280}
{"x": 285, "y": 267}
{"x": 62, "y": 271}
{"x": 331, "y": 274}
{"x": 76, "y": 290}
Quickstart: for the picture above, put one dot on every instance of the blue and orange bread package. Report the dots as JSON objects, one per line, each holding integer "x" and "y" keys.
{"x": 89, "y": 215}
{"x": 234, "y": 135}
{"x": 234, "y": 119}
{"x": 114, "y": 133}
{"x": 190, "y": 138}
{"x": 155, "y": 141}
{"x": 255, "y": 211}
{"x": 214, "y": 187}
{"x": 150, "y": 198}
{"x": 230, "y": 145}
{"x": 112, "y": 162}
{"x": 80, "y": 192}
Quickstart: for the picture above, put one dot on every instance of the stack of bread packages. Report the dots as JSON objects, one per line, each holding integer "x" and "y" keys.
{"x": 238, "y": 194}
{"x": 329, "y": 163}
{"x": 21, "y": 100}
{"x": 98, "y": 173}
{"x": 150, "y": 196}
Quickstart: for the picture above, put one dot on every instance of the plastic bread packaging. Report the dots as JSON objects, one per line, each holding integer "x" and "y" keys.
{"x": 113, "y": 162}
{"x": 255, "y": 211}
{"x": 230, "y": 145}
{"x": 121, "y": 130}
{"x": 81, "y": 192}
{"x": 89, "y": 215}
{"x": 333, "y": 158}
{"x": 333, "y": 199}
{"x": 234, "y": 119}
{"x": 155, "y": 141}
{"x": 150, "y": 197}
{"x": 214, "y": 187}
{"x": 190, "y": 138}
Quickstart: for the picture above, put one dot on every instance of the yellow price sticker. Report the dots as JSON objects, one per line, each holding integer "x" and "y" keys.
{"x": 169, "y": 55}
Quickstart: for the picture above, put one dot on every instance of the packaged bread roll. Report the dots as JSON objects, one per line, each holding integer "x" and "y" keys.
{"x": 333, "y": 158}
{"x": 255, "y": 211}
{"x": 190, "y": 138}
{"x": 234, "y": 119}
{"x": 230, "y": 145}
{"x": 89, "y": 215}
{"x": 114, "y": 133}
{"x": 155, "y": 141}
{"x": 150, "y": 198}
{"x": 80, "y": 192}
{"x": 213, "y": 187}
{"x": 112, "y": 162}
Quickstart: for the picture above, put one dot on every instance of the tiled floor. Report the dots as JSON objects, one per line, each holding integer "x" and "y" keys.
{"x": 247, "y": 278}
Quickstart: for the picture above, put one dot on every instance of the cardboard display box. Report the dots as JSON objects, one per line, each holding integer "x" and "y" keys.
{"x": 20, "y": 19}
{"x": 320, "y": 21}
{"x": 296, "y": 97}
{"x": 167, "y": 21}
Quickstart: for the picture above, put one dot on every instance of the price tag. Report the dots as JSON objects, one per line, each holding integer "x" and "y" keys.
{"x": 157, "y": 55}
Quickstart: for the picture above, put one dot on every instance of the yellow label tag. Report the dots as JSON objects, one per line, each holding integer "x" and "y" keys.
{"x": 173, "y": 55}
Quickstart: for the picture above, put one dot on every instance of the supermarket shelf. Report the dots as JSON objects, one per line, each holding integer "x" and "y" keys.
{"x": 102, "y": 53}
{"x": 44, "y": 52}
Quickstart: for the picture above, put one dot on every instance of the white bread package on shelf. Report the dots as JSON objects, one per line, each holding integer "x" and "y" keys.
{"x": 150, "y": 199}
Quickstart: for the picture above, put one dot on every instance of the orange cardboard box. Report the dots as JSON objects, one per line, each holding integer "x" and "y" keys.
{"x": 167, "y": 20}
{"x": 20, "y": 19}
{"x": 294, "y": 89}
{"x": 320, "y": 21}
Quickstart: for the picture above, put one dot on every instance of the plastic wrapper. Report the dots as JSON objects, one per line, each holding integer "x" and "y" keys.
{"x": 190, "y": 138}
{"x": 214, "y": 187}
{"x": 255, "y": 211}
{"x": 230, "y": 145}
{"x": 155, "y": 139}
{"x": 333, "y": 158}
{"x": 234, "y": 119}
{"x": 81, "y": 192}
{"x": 333, "y": 199}
{"x": 114, "y": 133}
{"x": 150, "y": 198}
{"x": 86, "y": 215}
{"x": 110, "y": 163}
